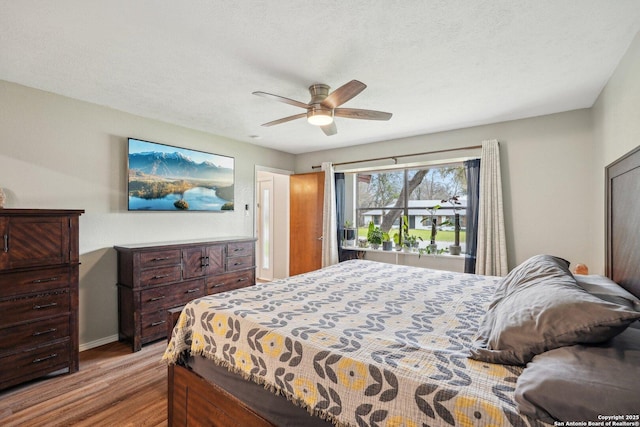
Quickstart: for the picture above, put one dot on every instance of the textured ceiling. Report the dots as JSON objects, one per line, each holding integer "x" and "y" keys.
{"x": 436, "y": 65}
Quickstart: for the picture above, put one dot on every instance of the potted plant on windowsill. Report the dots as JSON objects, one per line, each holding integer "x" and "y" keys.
{"x": 455, "y": 249}
{"x": 411, "y": 243}
{"x": 433, "y": 246}
{"x": 396, "y": 241}
{"x": 374, "y": 235}
{"x": 406, "y": 239}
{"x": 349, "y": 234}
{"x": 387, "y": 245}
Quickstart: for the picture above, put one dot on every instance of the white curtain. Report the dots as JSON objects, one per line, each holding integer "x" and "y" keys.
{"x": 329, "y": 222}
{"x": 491, "y": 257}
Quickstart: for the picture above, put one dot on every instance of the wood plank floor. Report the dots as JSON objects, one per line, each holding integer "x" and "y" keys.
{"x": 114, "y": 387}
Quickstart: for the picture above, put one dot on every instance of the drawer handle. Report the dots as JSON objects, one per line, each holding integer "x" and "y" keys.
{"x": 160, "y": 259}
{"x": 162, "y": 276}
{"x": 158, "y": 323}
{"x": 238, "y": 250}
{"x": 50, "y": 279}
{"x": 190, "y": 291}
{"x": 242, "y": 279}
{"x": 40, "y": 307}
{"x": 42, "y": 359}
{"x": 156, "y": 298}
{"x": 217, "y": 285}
{"x": 6, "y": 243}
{"x": 48, "y": 331}
{"x": 237, "y": 263}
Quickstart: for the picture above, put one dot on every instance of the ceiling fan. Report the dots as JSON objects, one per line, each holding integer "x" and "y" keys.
{"x": 323, "y": 106}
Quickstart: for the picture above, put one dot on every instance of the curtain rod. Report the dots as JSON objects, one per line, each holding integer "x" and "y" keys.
{"x": 395, "y": 158}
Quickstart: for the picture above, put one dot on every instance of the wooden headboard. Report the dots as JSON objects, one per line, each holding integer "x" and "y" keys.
{"x": 623, "y": 221}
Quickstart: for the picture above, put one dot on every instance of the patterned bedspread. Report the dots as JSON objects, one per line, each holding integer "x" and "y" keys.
{"x": 361, "y": 344}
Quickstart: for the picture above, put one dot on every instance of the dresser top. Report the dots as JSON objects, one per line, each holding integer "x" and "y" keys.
{"x": 43, "y": 212}
{"x": 153, "y": 245}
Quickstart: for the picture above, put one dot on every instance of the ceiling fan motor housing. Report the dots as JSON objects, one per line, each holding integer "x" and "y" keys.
{"x": 318, "y": 92}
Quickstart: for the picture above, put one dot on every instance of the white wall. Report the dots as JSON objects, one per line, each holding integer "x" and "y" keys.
{"x": 616, "y": 118}
{"x": 546, "y": 162}
{"x": 58, "y": 152}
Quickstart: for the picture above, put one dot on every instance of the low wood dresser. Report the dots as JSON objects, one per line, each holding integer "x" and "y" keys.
{"x": 152, "y": 278}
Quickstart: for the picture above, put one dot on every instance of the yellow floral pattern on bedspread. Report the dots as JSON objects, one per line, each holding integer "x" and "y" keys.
{"x": 361, "y": 344}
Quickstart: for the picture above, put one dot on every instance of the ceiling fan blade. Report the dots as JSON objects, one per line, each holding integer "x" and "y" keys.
{"x": 356, "y": 113}
{"x": 343, "y": 94}
{"x": 285, "y": 119}
{"x": 281, "y": 99}
{"x": 329, "y": 129}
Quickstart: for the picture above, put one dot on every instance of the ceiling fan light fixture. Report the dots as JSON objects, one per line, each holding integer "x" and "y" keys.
{"x": 319, "y": 116}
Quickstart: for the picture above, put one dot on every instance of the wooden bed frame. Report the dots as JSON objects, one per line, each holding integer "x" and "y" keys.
{"x": 195, "y": 401}
{"x": 623, "y": 221}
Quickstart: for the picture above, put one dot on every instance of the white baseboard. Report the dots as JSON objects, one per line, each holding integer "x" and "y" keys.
{"x": 98, "y": 343}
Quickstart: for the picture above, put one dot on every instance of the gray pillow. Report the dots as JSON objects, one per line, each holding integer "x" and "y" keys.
{"x": 539, "y": 306}
{"x": 608, "y": 290}
{"x": 578, "y": 383}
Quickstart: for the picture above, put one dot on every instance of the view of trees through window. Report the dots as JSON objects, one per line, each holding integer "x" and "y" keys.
{"x": 420, "y": 194}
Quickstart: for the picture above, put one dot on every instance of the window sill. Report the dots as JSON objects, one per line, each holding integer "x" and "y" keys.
{"x": 444, "y": 261}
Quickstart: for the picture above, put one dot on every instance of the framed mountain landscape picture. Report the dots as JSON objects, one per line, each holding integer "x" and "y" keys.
{"x": 166, "y": 178}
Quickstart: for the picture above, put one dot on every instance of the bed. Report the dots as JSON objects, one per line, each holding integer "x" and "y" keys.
{"x": 372, "y": 344}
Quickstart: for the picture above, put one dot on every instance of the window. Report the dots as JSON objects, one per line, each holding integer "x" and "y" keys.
{"x": 415, "y": 196}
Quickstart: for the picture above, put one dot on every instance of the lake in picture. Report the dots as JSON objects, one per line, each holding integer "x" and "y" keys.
{"x": 199, "y": 198}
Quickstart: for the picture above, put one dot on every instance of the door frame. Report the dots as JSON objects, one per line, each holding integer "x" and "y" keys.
{"x": 280, "y": 230}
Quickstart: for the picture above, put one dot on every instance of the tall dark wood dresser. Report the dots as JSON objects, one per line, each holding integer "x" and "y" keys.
{"x": 153, "y": 278}
{"x": 39, "y": 261}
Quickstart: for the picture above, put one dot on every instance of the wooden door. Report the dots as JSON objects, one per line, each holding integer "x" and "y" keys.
{"x": 305, "y": 242}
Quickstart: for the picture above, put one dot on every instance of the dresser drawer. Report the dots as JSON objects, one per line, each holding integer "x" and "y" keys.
{"x": 240, "y": 249}
{"x": 159, "y": 276}
{"x": 34, "y": 334}
{"x": 34, "y": 281}
{"x": 165, "y": 297}
{"x": 154, "y": 325}
{"x": 228, "y": 282}
{"x": 34, "y": 362}
{"x": 159, "y": 258}
{"x": 239, "y": 263}
{"x": 32, "y": 307}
